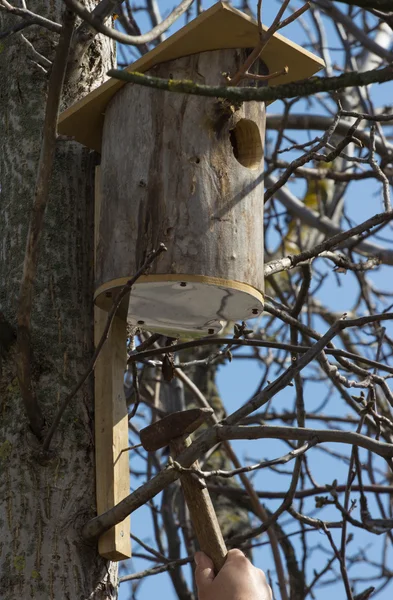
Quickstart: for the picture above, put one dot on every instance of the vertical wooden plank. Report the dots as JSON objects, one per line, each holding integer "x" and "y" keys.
{"x": 111, "y": 423}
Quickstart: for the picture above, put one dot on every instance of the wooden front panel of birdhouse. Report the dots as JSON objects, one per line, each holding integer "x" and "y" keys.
{"x": 186, "y": 171}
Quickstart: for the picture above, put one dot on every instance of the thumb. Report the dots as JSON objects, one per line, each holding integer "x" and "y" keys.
{"x": 204, "y": 572}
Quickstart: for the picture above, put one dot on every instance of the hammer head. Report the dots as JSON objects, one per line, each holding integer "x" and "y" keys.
{"x": 159, "y": 434}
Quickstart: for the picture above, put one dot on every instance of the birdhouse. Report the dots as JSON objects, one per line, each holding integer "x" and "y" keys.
{"x": 186, "y": 171}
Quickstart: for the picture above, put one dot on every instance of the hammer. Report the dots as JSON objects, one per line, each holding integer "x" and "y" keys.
{"x": 174, "y": 430}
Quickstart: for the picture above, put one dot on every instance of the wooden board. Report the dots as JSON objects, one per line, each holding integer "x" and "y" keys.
{"x": 219, "y": 27}
{"x": 111, "y": 425}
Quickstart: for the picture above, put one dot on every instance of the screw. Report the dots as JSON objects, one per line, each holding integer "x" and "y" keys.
{"x": 183, "y": 284}
{"x": 141, "y": 322}
{"x": 210, "y": 331}
{"x": 255, "y": 311}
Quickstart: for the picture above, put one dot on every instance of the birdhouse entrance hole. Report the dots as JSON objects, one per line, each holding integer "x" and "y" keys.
{"x": 247, "y": 144}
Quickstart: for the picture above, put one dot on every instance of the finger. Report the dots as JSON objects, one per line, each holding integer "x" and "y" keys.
{"x": 204, "y": 572}
{"x": 235, "y": 552}
{"x": 264, "y": 584}
{"x": 235, "y": 555}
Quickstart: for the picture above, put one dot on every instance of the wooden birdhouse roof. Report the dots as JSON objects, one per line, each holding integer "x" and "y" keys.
{"x": 219, "y": 27}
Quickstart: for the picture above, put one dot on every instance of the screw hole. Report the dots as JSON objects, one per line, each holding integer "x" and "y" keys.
{"x": 141, "y": 322}
{"x": 255, "y": 311}
{"x": 108, "y": 294}
{"x": 183, "y": 284}
{"x": 210, "y": 331}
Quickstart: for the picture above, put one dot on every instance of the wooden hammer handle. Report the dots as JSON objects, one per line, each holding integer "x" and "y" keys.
{"x": 204, "y": 520}
{"x": 202, "y": 513}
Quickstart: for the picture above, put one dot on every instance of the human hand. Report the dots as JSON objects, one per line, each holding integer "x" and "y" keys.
{"x": 237, "y": 580}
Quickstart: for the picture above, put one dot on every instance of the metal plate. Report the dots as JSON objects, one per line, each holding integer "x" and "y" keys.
{"x": 189, "y": 309}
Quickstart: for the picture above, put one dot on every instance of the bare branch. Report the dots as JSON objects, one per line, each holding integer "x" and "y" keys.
{"x": 263, "y": 41}
{"x": 321, "y": 175}
{"x": 208, "y": 439}
{"x": 133, "y": 40}
{"x": 238, "y": 493}
{"x": 156, "y": 570}
{"x": 30, "y": 17}
{"x": 322, "y": 122}
{"x": 40, "y": 58}
{"x": 256, "y": 344}
{"x": 380, "y": 174}
{"x": 308, "y": 87}
{"x": 337, "y": 240}
{"x": 378, "y": 4}
{"x": 341, "y": 561}
{"x": 241, "y": 432}
{"x": 281, "y": 460}
{"x": 325, "y": 225}
{"x": 350, "y": 25}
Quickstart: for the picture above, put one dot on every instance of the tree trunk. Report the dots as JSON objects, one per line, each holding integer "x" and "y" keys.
{"x": 43, "y": 504}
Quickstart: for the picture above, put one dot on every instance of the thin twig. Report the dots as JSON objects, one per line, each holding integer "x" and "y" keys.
{"x": 281, "y": 460}
{"x": 254, "y": 344}
{"x": 257, "y": 77}
{"x": 40, "y": 58}
{"x": 133, "y": 40}
{"x": 156, "y": 570}
{"x": 95, "y": 527}
{"x": 263, "y": 41}
{"x": 240, "y": 432}
{"x": 380, "y": 174}
{"x": 135, "y": 383}
{"x": 311, "y": 154}
{"x": 111, "y": 315}
{"x": 30, "y": 17}
{"x": 296, "y": 121}
{"x": 238, "y": 494}
{"x": 259, "y": 17}
{"x": 343, "y": 569}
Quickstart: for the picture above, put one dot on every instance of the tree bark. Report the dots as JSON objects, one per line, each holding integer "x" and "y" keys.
{"x": 44, "y": 503}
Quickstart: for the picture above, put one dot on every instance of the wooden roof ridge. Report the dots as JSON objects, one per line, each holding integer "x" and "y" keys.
{"x": 219, "y": 27}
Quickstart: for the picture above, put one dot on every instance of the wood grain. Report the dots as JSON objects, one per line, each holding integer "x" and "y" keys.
{"x": 111, "y": 426}
{"x": 202, "y": 513}
{"x": 171, "y": 175}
